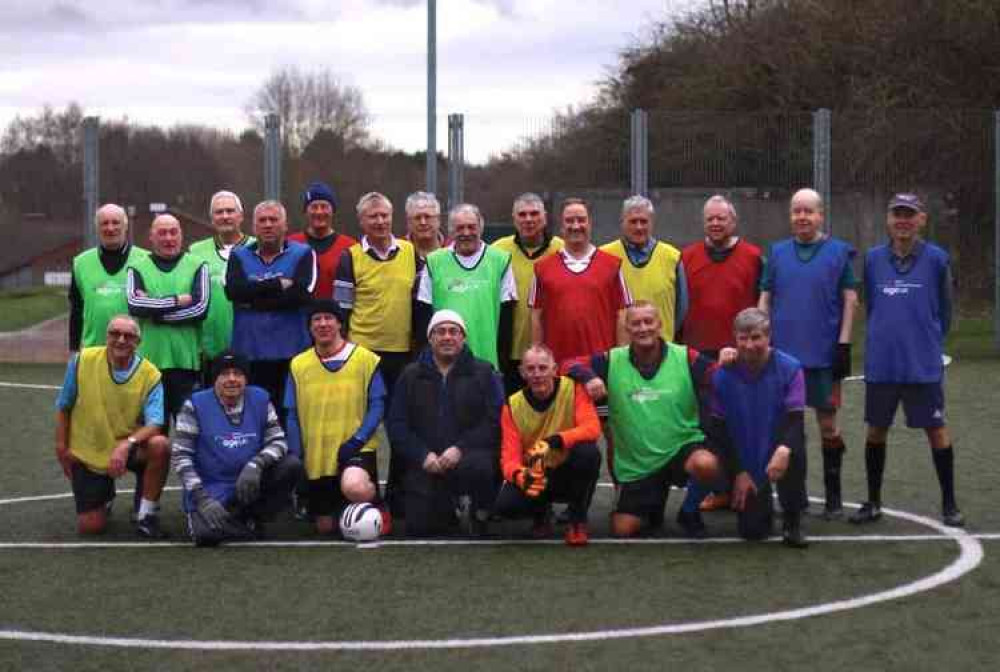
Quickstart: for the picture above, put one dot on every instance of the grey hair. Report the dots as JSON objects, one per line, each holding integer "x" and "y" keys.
{"x": 528, "y": 198}
{"x": 128, "y": 318}
{"x": 224, "y": 194}
{"x": 264, "y": 205}
{"x": 463, "y": 208}
{"x": 719, "y": 199}
{"x": 637, "y": 202}
{"x": 111, "y": 207}
{"x": 419, "y": 199}
{"x": 368, "y": 199}
{"x": 539, "y": 349}
{"x": 751, "y": 319}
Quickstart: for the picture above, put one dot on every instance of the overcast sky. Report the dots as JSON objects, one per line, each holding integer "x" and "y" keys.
{"x": 506, "y": 64}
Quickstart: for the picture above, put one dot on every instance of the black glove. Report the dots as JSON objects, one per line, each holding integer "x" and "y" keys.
{"x": 842, "y": 361}
{"x": 348, "y": 450}
{"x": 555, "y": 454}
{"x": 211, "y": 510}
{"x": 248, "y": 483}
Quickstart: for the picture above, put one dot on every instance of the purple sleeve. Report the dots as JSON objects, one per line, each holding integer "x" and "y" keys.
{"x": 715, "y": 406}
{"x": 795, "y": 397}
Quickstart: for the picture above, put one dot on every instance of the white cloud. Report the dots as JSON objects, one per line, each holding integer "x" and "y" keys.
{"x": 506, "y": 63}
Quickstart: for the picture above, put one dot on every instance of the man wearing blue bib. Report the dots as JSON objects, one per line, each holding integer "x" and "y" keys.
{"x": 908, "y": 305}
{"x": 230, "y": 454}
{"x": 809, "y": 288}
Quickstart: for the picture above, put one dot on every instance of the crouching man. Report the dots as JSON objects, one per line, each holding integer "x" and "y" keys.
{"x": 757, "y": 413}
{"x": 230, "y": 454}
{"x": 108, "y": 421}
{"x": 549, "y": 450}
{"x": 445, "y": 422}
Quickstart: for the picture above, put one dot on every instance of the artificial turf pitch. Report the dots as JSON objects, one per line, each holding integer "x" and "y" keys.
{"x": 435, "y": 593}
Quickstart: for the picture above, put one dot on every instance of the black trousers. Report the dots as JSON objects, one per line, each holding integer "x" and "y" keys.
{"x": 431, "y": 499}
{"x": 272, "y": 375}
{"x": 572, "y": 482}
{"x": 391, "y": 366}
{"x": 276, "y": 487}
{"x": 756, "y": 520}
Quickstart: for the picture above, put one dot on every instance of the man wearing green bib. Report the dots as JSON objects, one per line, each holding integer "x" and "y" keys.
{"x": 169, "y": 291}
{"x": 226, "y": 211}
{"x": 654, "y": 391}
{"x": 97, "y": 283}
{"x": 476, "y": 281}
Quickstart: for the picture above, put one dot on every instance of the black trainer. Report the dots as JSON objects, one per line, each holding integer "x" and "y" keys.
{"x": 692, "y": 524}
{"x": 149, "y": 527}
{"x": 791, "y": 532}
{"x": 868, "y": 513}
{"x": 952, "y": 517}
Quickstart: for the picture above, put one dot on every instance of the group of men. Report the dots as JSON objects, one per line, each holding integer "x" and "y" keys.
{"x": 494, "y": 367}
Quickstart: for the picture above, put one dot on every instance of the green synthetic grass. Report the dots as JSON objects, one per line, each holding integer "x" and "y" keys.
{"x": 341, "y": 593}
{"x": 21, "y": 308}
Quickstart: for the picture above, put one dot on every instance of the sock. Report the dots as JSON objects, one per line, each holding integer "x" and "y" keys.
{"x": 944, "y": 465}
{"x": 695, "y": 494}
{"x": 833, "y": 459}
{"x": 874, "y": 468}
{"x": 148, "y": 508}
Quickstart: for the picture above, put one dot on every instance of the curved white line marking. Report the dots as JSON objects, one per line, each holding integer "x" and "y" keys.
{"x": 970, "y": 556}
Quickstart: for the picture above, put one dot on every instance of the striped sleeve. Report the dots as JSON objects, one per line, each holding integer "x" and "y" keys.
{"x": 201, "y": 293}
{"x": 186, "y": 432}
{"x": 275, "y": 446}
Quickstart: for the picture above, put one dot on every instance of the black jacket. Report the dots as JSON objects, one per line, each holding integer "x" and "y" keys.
{"x": 429, "y": 412}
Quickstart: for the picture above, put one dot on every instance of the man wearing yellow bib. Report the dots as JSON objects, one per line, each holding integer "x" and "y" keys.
{"x": 530, "y": 244}
{"x": 654, "y": 391}
{"x": 108, "y": 421}
{"x": 653, "y": 270}
{"x": 335, "y": 399}
{"x": 549, "y": 450}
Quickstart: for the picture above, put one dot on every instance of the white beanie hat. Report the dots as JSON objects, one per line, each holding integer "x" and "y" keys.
{"x": 443, "y": 316}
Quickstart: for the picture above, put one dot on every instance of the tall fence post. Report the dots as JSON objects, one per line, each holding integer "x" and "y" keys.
{"x": 822, "y": 159}
{"x": 996, "y": 227}
{"x": 91, "y": 178}
{"x": 640, "y": 152}
{"x": 272, "y": 157}
{"x": 456, "y": 159}
{"x": 432, "y": 177}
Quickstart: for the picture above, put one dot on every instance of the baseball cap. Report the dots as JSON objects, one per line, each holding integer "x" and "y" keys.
{"x": 906, "y": 200}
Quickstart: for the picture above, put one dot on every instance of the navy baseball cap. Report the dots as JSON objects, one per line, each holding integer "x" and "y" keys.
{"x": 908, "y": 201}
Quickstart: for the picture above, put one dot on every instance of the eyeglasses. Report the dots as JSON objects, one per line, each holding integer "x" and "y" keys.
{"x": 115, "y": 334}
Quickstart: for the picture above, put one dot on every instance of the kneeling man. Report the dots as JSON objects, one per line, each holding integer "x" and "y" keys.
{"x": 445, "y": 423}
{"x": 549, "y": 453}
{"x": 654, "y": 391}
{"x": 230, "y": 454}
{"x": 108, "y": 421}
{"x": 757, "y": 412}
{"x": 335, "y": 399}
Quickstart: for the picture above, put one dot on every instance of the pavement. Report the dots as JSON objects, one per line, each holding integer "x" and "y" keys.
{"x": 43, "y": 343}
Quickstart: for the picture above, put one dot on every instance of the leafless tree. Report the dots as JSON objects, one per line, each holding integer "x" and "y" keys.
{"x": 307, "y": 102}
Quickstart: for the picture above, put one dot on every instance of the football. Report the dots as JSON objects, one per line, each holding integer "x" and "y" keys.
{"x": 361, "y": 522}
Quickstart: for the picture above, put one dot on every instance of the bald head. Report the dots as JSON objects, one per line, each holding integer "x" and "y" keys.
{"x": 165, "y": 236}
{"x": 806, "y": 215}
{"x": 808, "y": 197}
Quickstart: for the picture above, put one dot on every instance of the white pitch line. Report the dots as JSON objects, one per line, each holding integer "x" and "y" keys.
{"x": 416, "y": 543}
{"x": 970, "y": 556}
{"x": 30, "y": 386}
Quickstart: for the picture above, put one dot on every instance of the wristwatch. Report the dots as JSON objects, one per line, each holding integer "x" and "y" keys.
{"x": 132, "y": 440}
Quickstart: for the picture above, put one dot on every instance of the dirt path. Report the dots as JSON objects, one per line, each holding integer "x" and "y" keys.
{"x": 43, "y": 343}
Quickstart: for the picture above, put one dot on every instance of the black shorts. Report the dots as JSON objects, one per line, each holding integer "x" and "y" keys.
{"x": 92, "y": 489}
{"x": 324, "y": 497}
{"x": 649, "y": 495}
{"x": 923, "y": 404}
